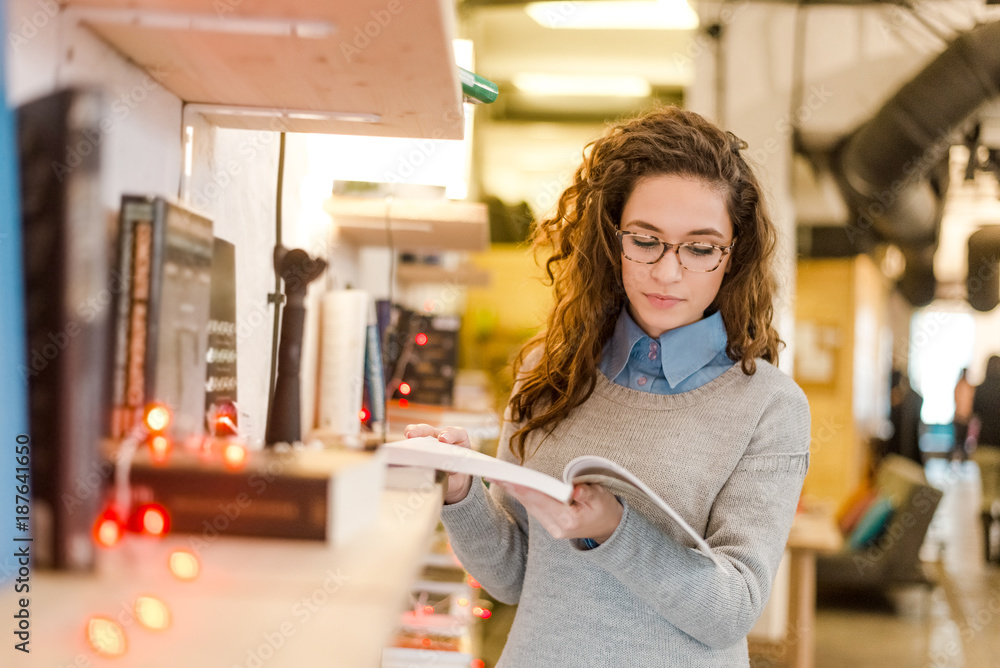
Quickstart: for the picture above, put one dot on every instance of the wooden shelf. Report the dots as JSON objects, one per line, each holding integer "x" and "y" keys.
{"x": 416, "y": 224}
{"x": 303, "y": 602}
{"x": 293, "y": 65}
{"x": 411, "y": 272}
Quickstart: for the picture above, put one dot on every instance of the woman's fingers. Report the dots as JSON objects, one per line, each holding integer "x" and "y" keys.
{"x": 454, "y": 435}
{"x": 417, "y": 430}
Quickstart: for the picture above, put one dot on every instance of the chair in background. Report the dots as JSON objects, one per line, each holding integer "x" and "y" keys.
{"x": 884, "y": 550}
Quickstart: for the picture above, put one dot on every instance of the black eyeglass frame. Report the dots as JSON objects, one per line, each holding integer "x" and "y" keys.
{"x": 621, "y": 234}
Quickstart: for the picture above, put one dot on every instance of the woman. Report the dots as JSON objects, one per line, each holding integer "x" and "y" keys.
{"x": 659, "y": 355}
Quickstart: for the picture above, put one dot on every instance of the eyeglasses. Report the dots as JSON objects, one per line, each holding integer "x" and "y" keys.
{"x": 692, "y": 255}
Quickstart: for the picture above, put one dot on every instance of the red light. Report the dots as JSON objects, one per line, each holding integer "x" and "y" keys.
{"x": 404, "y": 388}
{"x": 363, "y": 415}
{"x": 477, "y": 663}
{"x": 421, "y": 339}
{"x": 485, "y": 614}
{"x": 108, "y": 528}
{"x": 153, "y": 519}
{"x": 157, "y": 417}
{"x": 426, "y": 642}
{"x": 160, "y": 447}
{"x": 235, "y": 455}
{"x": 473, "y": 582}
{"x": 428, "y": 609}
{"x": 224, "y": 426}
{"x": 403, "y": 403}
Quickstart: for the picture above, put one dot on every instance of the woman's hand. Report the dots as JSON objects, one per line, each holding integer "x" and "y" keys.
{"x": 593, "y": 512}
{"x": 459, "y": 484}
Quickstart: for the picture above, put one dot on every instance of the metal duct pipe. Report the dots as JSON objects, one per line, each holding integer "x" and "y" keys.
{"x": 889, "y": 169}
{"x": 982, "y": 285}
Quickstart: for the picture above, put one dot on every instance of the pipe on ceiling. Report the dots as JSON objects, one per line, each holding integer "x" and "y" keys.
{"x": 893, "y": 169}
{"x": 982, "y": 286}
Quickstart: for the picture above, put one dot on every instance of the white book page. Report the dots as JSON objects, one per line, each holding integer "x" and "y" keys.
{"x": 428, "y": 452}
{"x": 594, "y": 465}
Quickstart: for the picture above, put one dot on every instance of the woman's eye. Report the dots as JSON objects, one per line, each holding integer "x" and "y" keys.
{"x": 642, "y": 243}
{"x": 700, "y": 250}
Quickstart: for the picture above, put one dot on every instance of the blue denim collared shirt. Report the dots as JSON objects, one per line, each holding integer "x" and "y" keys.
{"x": 680, "y": 360}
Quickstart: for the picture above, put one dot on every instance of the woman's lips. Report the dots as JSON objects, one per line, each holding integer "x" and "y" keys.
{"x": 663, "y": 301}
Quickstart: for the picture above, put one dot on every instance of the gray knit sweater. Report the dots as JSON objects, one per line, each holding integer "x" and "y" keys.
{"x": 729, "y": 457}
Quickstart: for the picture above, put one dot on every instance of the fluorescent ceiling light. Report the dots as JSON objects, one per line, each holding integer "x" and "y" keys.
{"x": 582, "y": 85}
{"x": 626, "y": 15}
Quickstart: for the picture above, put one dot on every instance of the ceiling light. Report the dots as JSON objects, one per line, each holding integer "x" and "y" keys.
{"x": 630, "y": 15}
{"x": 584, "y": 85}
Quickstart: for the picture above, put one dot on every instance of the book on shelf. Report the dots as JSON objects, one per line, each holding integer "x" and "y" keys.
{"x": 428, "y": 452}
{"x": 161, "y": 313}
{"x": 66, "y": 290}
{"x": 220, "y": 383}
{"x": 315, "y": 495}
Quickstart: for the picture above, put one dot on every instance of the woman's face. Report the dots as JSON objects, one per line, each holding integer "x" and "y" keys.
{"x": 674, "y": 209}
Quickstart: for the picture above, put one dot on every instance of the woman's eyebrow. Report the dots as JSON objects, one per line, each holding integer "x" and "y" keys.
{"x": 704, "y": 232}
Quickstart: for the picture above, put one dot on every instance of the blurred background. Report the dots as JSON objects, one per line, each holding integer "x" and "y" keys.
{"x": 343, "y": 130}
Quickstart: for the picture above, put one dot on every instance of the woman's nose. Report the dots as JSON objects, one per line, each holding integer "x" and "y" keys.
{"x": 668, "y": 267}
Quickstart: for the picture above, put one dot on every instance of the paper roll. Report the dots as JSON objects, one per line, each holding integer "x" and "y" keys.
{"x": 342, "y": 362}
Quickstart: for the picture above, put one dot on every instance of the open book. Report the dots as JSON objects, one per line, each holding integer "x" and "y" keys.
{"x": 428, "y": 452}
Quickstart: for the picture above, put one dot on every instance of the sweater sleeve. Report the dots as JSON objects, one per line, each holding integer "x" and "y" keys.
{"x": 748, "y": 528}
{"x": 488, "y": 530}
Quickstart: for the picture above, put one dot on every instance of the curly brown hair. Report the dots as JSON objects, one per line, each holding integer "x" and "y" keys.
{"x": 585, "y": 265}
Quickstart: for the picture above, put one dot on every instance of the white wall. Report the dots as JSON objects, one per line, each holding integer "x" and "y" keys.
{"x": 233, "y": 175}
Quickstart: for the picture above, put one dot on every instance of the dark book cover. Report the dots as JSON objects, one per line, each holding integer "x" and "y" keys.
{"x": 165, "y": 255}
{"x": 66, "y": 275}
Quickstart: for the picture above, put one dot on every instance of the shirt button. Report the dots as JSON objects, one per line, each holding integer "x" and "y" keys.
{"x": 641, "y": 380}
{"x": 652, "y": 355}
{"x": 653, "y": 346}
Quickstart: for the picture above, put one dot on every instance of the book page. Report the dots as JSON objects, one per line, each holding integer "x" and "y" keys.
{"x": 428, "y": 452}
{"x": 580, "y": 469}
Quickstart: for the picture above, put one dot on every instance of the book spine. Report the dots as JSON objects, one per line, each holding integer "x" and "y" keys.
{"x": 132, "y": 209}
{"x": 374, "y": 372}
{"x": 135, "y": 383}
{"x": 156, "y": 252}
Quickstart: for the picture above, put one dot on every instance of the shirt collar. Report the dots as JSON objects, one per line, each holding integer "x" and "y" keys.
{"x": 701, "y": 341}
